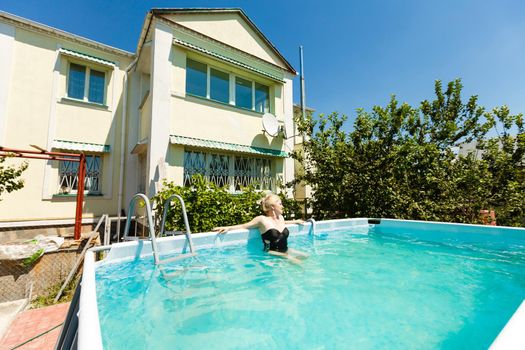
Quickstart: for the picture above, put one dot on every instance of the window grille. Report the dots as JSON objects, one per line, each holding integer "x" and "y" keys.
{"x": 69, "y": 176}
{"x": 219, "y": 169}
{"x": 252, "y": 171}
{"x": 233, "y": 172}
{"x": 194, "y": 163}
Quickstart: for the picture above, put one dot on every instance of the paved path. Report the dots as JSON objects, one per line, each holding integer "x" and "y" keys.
{"x": 33, "y": 322}
{"x": 8, "y": 312}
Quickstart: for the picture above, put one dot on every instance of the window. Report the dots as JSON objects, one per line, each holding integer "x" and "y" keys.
{"x": 196, "y": 75}
{"x": 77, "y": 81}
{"x": 262, "y": 98}
{"x": 208, "y": 82}
{"x": 219, "y": 86}
{"x": 243, "y": 93}
{"x": 96, "y": 87}
{"x": 233, "y": 172}
{"x": 68, "y": 170}
{"x": 80, "y": 88}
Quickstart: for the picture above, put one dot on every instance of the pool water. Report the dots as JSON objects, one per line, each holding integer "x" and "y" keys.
{"x": 381, "y": 290}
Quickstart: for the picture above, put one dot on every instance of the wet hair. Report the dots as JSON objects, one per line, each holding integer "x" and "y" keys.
{"x": 266, "y": 203}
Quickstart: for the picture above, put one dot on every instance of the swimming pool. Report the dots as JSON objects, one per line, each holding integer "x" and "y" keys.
{"x": 397, "y": 284}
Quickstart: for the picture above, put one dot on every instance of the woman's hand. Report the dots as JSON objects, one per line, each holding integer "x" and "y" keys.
{"x": 221, "y": 229}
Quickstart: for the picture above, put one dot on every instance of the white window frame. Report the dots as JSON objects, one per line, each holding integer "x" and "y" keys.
{"x": 232, "y": 87}
{"x": 208, "y": 83}
{"x": 88, "y": 67}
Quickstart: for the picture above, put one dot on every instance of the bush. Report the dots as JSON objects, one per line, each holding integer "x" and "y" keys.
{"x": 209, "y": 206}
{"x": 398, "y": 161}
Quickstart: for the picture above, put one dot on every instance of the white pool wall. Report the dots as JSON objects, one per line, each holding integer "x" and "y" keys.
{"x": 89, "y": 336}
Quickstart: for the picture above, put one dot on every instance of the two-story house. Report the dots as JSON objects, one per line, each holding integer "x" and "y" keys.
{"x": 189, "y": 101}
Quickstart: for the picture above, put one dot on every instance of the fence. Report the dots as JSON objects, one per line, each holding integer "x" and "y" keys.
{"x": 24, "y": 278}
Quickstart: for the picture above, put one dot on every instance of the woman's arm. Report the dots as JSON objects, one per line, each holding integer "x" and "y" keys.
{"x": 253, "y": 223}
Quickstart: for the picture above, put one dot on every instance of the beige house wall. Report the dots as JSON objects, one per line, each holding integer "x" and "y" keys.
{"x": 223, "y": 122}
{"x": 35, "y": 108}
{"x": 230, "y": 29}
{"x": 37, "y": 114}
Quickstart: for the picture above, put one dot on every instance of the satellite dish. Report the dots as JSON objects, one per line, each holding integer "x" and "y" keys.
{"x": 270, "y": 124}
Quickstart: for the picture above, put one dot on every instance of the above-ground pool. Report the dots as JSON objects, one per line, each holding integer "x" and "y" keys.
{"x": 393, "y": 285}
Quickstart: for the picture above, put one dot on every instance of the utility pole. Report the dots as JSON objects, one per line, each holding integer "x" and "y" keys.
{"x": 303, "y": 101}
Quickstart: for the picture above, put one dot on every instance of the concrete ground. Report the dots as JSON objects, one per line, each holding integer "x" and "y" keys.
{"x": 32, "y": 323}
{"x": 8, "y": 312}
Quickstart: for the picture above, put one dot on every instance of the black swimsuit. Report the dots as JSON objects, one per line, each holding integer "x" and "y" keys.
{"x": 275, "y": 240}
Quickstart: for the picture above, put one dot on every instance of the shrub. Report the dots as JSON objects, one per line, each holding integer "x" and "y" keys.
{"x": 209, "y": 206}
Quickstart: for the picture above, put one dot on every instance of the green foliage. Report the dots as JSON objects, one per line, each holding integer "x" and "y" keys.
{"x": 10, "y": 176}
{"x": 31, "y": 259}
{"x": 48, "y": 298}
{"x": 398, "y": 161}
{"x": 209, "y": 206}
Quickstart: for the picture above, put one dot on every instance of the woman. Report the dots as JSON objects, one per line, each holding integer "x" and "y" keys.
{"x": 272, "y": 227}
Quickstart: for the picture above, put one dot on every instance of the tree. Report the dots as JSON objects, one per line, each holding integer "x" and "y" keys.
{"x": 399, "y": 162}
{"x": 10, "y": 176}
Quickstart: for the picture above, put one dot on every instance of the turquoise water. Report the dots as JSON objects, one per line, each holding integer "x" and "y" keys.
{"x": 355, "y": 291}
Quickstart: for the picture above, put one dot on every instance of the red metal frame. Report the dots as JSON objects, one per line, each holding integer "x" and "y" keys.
{"x": 70, "y": 157}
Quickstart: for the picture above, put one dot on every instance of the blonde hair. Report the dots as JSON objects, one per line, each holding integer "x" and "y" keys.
{"x": 266, "y": 203}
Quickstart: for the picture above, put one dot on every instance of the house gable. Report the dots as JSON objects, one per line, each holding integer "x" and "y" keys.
{"x": 230, "y": 27}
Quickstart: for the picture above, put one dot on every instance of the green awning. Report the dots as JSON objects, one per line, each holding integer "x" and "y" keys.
{"x": 81, "y": 146}
{"x": 227, "y": 59}
{"x": 86, "y": 57}
{"x": 224, "y": 146}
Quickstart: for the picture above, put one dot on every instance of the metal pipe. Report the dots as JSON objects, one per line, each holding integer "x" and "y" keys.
{"x": 184, "y": 215}
{"x": 99, "y": 248}
{"x": 122, "y": 142}
{"x": 14, "y": 150}
{"x": 35, "y": 157}
{"x": 303, "y": 98}
{"x": 312, "y": 231}
{"x": 80, "y": 196}
{"x": 131, "y": 209}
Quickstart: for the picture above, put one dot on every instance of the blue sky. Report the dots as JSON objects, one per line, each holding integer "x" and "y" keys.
{"x": 357, "y": 53}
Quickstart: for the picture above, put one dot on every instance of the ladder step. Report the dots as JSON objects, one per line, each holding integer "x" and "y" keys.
{"x": 172, "y": 275}
{"x": 180, "y": 257}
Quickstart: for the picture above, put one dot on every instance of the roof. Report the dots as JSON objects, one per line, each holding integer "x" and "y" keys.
{"x": 159, "y": 11}
{"x": 39, "y": 27}
{"x": 224, "y": 146}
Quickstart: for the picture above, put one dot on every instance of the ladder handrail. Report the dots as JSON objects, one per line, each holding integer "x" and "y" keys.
{"x": 184, "y": 215}
{"x": 312, "y": 231}
{"x": 131, "y": 210}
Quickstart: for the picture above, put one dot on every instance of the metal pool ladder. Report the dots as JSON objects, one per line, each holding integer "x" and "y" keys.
{"x": 186, "y": 223}
{"x": 312, "y": 230}
{"x": 154, "y": 247}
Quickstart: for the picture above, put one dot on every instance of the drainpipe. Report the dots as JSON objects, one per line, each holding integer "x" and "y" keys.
{"x": 303, "y": 98}
{"x": 123, "y": 142}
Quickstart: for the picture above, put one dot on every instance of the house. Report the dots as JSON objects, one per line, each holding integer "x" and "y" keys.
{"x": 189, "y": 101}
